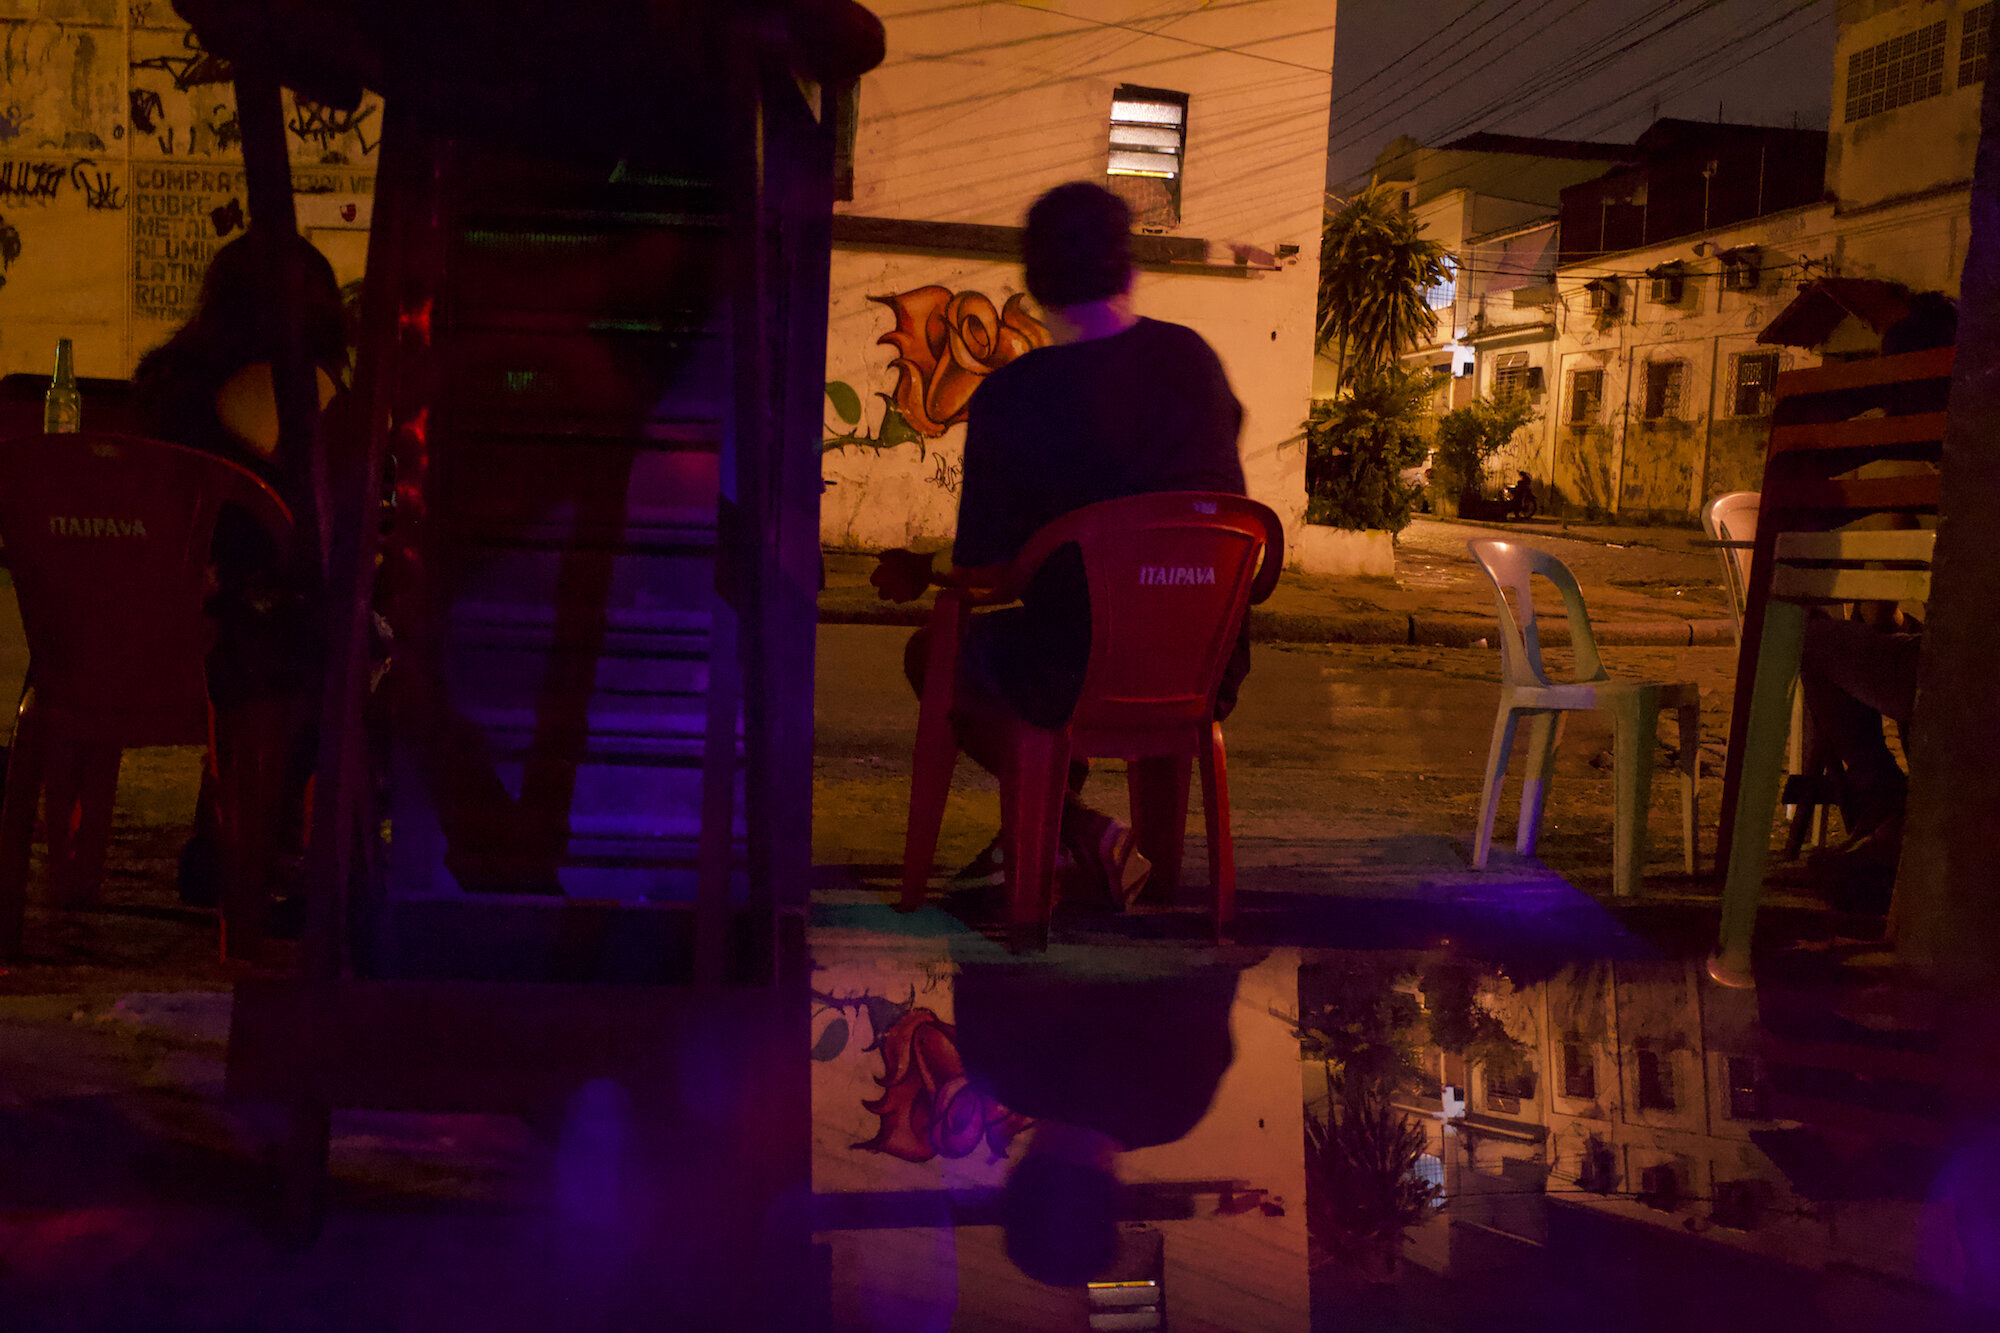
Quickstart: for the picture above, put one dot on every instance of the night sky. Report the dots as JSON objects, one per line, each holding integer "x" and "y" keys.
{"x": 1571, "y": 69}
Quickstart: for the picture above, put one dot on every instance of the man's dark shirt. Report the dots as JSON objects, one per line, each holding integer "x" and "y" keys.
{"x": 1145, "y": 410}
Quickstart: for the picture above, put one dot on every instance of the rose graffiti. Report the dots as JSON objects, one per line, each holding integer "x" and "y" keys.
{"x": 928, "y": 1106}
{"x": 946, "y": 343}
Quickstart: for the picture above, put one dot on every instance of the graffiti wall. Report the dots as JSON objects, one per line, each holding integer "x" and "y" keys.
{"x": 911, "y": 337}
{"x": 121, "y": 174}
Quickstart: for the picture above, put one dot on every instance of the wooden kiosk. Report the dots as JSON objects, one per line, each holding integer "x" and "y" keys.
{"x": 568, "y": 538}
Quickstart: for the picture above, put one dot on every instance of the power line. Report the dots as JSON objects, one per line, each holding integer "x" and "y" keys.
{"x": 1564, "y": 70}
{"x": 1711, "y": 76}
{"x": 1342, "y": 97}
{"x": 1366, "y": 125}
{"x": 1189, "y": 41}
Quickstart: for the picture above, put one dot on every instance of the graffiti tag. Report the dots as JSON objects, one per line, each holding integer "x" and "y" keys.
{"x": 10, "y": 248}
{"x": 146, "y": 110}
{"x": 99, "y": 194}
{"x": 31, "y": 182}
{"x": 947, "y": 476}
{"x": 192, "y": 70}
{"x": 321, "y": 125}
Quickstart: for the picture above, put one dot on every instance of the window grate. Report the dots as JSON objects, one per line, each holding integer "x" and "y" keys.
{"x": 1746, "y": 1089}
{"x": 1665, "y": 381}
{"x": 1586, "y": 394}
{"x": 1147, "y": 151}
{"x": 1579, "y": 1072}
{"x": 1896, "y": 73}
{"x": 1975, "y": 43}
{"x": 1756, "y": 382}
{"x": 1656, "y": 1080}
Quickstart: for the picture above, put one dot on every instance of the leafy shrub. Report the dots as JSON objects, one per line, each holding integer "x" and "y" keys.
{"x": 1359, "y": 445}
{"x": 1468, "y": 437}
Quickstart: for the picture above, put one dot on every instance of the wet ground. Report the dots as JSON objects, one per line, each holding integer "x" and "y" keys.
{"x": 1452, "y": 1100}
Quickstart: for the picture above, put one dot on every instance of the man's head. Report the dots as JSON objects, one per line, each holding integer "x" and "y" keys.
{"x": 1078, "y": 246}
{"x": 1061, "y": 1219}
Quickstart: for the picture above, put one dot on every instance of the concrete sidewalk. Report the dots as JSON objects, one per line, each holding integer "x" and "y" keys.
{"x": 1643, "y": 586}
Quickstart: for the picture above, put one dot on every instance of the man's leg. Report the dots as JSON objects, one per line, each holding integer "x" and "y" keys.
{"x": 1853, "y": 676}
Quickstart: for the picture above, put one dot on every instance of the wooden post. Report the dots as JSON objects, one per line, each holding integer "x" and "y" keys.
{"x": 1946, "y": 919}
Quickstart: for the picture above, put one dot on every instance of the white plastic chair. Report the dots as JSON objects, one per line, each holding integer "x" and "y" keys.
{"x": 1733, "y": 518}
{"x": 1634, "y": 705}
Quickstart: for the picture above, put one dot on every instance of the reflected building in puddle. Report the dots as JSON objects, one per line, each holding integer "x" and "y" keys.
{"x": 1632, "y": 1108}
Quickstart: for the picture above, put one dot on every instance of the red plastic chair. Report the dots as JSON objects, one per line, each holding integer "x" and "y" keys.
{"x": 1171, "y": 576}
{"x": 108, "y": 537}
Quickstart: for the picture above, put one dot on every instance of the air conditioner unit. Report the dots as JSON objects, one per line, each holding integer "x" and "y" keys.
{"x": 1667, "y": 286}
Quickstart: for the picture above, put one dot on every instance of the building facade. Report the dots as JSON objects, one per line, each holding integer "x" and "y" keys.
{"x": 1212, "y": 124}
{"x": 1673, "y": 275}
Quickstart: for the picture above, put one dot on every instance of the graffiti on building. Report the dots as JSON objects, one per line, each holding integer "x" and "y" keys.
{"x": 947, "y": 476}
{"x": 946, "y": 343}
{"x": 10, "y": 248}
{"x": 929, "y": 1107}
{"x": 190, "y": 67}
{"x": 101, "y": 193}
{"x": 12, "y": 121}
{"x": 321, "y": 126}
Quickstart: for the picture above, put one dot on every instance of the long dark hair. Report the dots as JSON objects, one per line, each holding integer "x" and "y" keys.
{"x": 237, "y": 321}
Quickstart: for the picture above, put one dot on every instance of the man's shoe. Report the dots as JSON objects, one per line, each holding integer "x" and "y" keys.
{"x": 1106, "y": 849}
{"x": 987, "y": 870}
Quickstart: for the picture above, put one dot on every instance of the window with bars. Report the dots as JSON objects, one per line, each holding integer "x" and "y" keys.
{"x": 1513, "y": 375}
{"x": 1586, "y": 395}
{"x": 1896, "y": 73}
{"x": 1656, "y": 1080}
{"x": 1442, "y": 295}
{"x": 1147, "y": 152}
{"x": 1579, "y": 1071}
{"x": 1975, "y": 42}
{"x": 1506, "y": 1089}
{"x": 1666, "y": 382}
{"x": 1746, "y": 1089}
{"x": 1756, "y": 380}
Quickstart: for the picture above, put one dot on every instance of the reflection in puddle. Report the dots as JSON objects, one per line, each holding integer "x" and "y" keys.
{"x": 1401, "y": 1140}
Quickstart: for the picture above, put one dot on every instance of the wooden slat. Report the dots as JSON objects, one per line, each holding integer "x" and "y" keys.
{"x": 1933, "y": 364}
{"x": 1901, "y": 544}
{"x": 1792, "y": 584}
{"x": 1865, "y": 433}
{"x": 1867, "y": 496}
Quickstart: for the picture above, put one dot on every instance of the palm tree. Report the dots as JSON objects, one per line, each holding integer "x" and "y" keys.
{"x": 1374, "y": 267}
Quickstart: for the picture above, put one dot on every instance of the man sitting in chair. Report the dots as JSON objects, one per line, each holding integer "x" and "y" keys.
{"x": 1119, "y": 405}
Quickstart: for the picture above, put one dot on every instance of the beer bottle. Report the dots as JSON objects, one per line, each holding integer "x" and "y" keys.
{"x": 62, "y": 412}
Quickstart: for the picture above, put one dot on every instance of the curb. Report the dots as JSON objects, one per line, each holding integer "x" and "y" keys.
{"x": 1420, "y": 629}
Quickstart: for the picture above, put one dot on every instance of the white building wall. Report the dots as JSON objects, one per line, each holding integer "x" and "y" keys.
{"x": 978, "y": 110}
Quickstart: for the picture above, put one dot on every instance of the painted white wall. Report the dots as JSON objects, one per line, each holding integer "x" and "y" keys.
{"x": 978, "y": 110}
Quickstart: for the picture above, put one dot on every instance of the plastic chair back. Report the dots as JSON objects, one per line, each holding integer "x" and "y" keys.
{"x": 1733, "y": 518}
{"x": 108, "y": 536}
{"x": 1171, "y": 575}
{"x": 1508, "y": 566}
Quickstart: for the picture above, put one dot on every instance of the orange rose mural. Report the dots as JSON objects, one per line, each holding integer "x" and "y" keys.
{"x": 946, "y": 343}
{"x": 928, "y": 1106}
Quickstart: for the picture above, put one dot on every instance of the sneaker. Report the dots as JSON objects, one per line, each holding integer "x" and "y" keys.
{"x": 987, "y": 870}
{"x": 1107, "y": 847}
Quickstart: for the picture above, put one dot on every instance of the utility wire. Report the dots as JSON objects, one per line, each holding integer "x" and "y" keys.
{"x": 1414, "y": 50}
{"x": 1369, "y": 123}
{"x": 1188, "y": 41}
